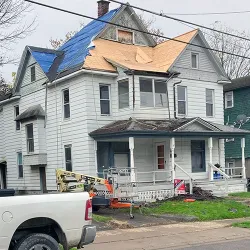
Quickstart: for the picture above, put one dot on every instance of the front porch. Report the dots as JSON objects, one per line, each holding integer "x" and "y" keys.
{"x": 157, "y": 159}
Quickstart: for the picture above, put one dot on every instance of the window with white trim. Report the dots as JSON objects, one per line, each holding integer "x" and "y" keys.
{"x": 195, "y": 60}
{"x": 68, "y": 157}
{"x": 20, "y": 164}
{"x": 123, "y": 93}
{"x": 18, "y": 124}
{"x": 153, "y": 93}
{"x": 182, "y": 100}
{"x": 160, "y": 156}
{"x": 209, "y": 102}
{"x": 229, "y": 100}
{"x": 30, "y": 138}
{"x": 105, "y": 99}
{"x": 32, "y": 73}
{"x": 66, "y": 104}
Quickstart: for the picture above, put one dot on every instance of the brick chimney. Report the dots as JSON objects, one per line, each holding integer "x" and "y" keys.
{"x": 103, "y": 7}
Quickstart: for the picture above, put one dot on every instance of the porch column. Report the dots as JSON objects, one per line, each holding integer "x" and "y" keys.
{"x": 221, "y": 147}
{"x": 172, "y": 147}
{"x": 95, "y": 151}
{"x": 210, "y": 147}
{"x": 243, "y": 158}
{"x": 132, "y": 160}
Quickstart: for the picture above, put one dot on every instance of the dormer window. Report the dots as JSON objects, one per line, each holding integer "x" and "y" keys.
{"x": 125, "y": 36}
{"x": 33, "y": 73}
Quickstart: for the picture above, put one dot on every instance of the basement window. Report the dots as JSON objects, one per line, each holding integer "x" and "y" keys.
{"x": 125, "y": 36}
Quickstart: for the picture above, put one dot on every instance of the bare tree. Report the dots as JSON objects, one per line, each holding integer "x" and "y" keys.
{"x": 234, "y": 66}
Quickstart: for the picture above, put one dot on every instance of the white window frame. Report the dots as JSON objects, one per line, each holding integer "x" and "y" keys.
{"x": 156, "y": 156}
{"x": 133, "y": 35}
{"x": 118, "y": 82}
{"x": 18, "y": 170}
{"x": 186, "y": 101}
{"x": 32, "y": 67}
{"x": 210, "y": 103}
{"x": 65, "y": 163}
{"x": 226, "y": 98}
{"x": 64, "y": 104}
{"x": 109, "y": 87}
{"x": 153, "y": 91}
{"x": 197, "y": 60}
{"x": 28, "y": 139}
{"x": 15, "y": 116}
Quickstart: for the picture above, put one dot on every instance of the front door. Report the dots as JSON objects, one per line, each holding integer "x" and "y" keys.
{"x": 43, "y": 184}
{"x": 198, "y": 156}
{"x": 3, "y": 182}
{"x": 160, "y": 156}
{"x": 121, "y": 160}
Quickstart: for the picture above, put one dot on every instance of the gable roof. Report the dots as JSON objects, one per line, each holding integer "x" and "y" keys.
{"x": 242, "y": 82}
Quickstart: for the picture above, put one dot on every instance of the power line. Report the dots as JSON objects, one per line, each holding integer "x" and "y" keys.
{"x": 208, "y": 13}
{"x": 134, "y": 29}
{"x": 179, "y": 20}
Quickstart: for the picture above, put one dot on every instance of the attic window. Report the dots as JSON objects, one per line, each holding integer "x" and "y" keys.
{"x": 33, "y": 73}
{"x": 125, "y": 36}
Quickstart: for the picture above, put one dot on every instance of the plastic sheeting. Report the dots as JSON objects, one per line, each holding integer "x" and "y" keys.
{"x": 45, "y": 60}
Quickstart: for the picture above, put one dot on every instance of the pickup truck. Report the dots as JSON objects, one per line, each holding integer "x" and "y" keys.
{"x": 42, "y": 222}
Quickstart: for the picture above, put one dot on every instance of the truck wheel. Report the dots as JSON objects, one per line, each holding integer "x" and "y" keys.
{"x": 37, "y": 242}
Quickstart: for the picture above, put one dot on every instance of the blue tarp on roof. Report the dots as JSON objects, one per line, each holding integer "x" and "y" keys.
{"x": 77, "y": 48}
{"x": 44, "y": 59}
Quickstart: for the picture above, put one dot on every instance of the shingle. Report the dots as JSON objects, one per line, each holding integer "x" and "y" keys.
{"x": 242, "y": 82}
{"x": 32, "y": 112}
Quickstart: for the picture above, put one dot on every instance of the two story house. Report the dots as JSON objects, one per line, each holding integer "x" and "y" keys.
{"x": 237, "y": 115}
{"x": 112, "y": 97}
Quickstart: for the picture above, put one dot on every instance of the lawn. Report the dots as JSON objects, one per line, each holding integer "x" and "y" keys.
{"x": 245, "y": 224}
{"x": 101, "y": 218}
{"x": 203, "y": 210}
{"x": 241, "y": 195}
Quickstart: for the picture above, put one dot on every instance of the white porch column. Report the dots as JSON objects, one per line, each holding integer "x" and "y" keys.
{"x": 132, "y": 160}
{"x": 210, "y": 147}
{"x": 243, "y": 158}
{"x": 96, "y": 163}
{"x": 172, "y": 147}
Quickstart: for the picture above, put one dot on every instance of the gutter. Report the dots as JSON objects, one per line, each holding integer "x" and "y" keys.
{"x": 82, "y": 71}
{"x": 10, "y": 100}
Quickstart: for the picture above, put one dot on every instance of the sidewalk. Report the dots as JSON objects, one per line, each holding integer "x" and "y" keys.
{"x": 170, "y": 236}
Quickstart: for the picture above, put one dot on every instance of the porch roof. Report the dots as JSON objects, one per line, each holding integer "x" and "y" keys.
{"x": 35, "y": 111}
{"x": 168, "y": 128}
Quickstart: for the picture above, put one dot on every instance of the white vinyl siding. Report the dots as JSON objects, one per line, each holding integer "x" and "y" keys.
{"x": 209, "y": 102}
{"x": 182, "y": 100}
{"x": 229, "y": 100}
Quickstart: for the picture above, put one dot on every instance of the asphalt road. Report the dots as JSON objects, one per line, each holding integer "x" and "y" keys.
{"x": 233, "y": 245}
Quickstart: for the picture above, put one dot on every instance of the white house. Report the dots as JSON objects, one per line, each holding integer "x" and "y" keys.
{"x": 112, "y": 97}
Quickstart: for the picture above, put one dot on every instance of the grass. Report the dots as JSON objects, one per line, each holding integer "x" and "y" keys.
{"x": 245, "y": 224}
{"x": 203, "y": 210}
{"x": 101, "y": 218}
{"x": 241, "y": 195}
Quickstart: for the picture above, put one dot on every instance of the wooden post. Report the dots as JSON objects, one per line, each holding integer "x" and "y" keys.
{"x": 172, "y": 147}
{"x": 243, "y": 158}
{"x": 132, "y": 160}
{"x": 210, "y": 147}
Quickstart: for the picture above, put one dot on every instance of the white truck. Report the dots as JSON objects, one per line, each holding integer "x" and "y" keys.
{"x": 42, "y": 222}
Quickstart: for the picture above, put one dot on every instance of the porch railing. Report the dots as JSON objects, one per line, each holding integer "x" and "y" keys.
{"x": 188, "y": 175}
{"x": 222, "y": 173}
{"x": 233, "y": 172}
{"x": 154, "y": 176}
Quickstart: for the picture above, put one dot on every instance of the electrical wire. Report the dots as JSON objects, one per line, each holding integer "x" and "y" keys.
{"x": 209, "y": 13}
{"x": 177, "y": 19}
{"x": 134, "y": 29}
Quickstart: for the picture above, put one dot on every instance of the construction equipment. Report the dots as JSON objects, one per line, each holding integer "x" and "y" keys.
{"x": 116, "y": 194}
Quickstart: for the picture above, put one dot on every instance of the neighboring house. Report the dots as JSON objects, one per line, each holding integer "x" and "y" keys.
{"x": 111, "y": 97}
{"x": 237, "y": 115}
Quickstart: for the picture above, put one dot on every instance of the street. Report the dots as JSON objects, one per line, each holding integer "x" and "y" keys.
{"x": 197, "y": 236}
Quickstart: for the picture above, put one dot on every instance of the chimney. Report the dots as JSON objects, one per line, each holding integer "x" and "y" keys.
{"x": 103, "y": 7}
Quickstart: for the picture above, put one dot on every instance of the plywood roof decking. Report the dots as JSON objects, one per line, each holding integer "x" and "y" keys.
{"x": 158, "y": 59}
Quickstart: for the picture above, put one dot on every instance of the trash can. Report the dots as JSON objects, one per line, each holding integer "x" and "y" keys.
{"x": 7, "y": 192}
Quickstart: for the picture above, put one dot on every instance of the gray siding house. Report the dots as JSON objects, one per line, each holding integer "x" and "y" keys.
{"x": 111, "y": 97}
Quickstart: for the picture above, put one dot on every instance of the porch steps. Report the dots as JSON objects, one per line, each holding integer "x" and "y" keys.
{"x": 218, "y": 187}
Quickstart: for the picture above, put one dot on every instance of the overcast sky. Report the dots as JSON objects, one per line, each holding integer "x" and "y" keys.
{"x": 55, "y": 24}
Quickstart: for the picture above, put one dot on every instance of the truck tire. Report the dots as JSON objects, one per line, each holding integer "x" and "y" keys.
{"x": 37, "y": 242}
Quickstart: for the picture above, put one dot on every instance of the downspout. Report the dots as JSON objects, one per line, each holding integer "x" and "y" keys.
{"x": 175, "y": 116}
{"x": 133, "y": 80}
{"x": 169, "y": 115}
{"x": 46, "y": 104}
